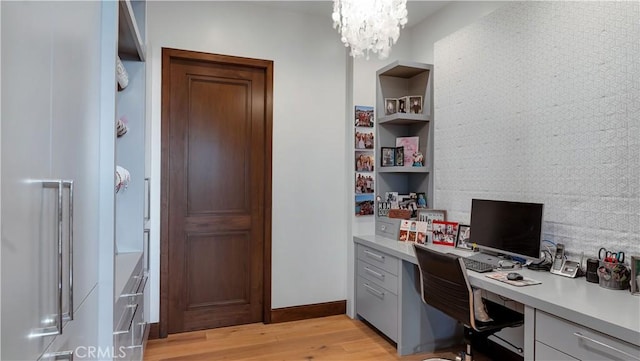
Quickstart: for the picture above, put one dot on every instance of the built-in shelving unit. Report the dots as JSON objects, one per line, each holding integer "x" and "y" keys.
{"x": 396, "y": 80}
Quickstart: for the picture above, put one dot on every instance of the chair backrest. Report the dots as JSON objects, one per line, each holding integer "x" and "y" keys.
{"x": 445, "y": 285}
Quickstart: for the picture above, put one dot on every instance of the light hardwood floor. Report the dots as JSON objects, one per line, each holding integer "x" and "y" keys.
{"x": 336, "y": 338}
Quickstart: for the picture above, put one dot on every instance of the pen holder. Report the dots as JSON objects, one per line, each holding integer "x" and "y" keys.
{"x": 613, "y": 275}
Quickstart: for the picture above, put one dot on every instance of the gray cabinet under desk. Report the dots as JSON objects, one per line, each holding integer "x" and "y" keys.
{"x": 388, "y": 298}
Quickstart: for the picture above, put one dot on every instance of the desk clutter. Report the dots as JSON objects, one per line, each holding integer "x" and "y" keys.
{"x": 504, "y": 277}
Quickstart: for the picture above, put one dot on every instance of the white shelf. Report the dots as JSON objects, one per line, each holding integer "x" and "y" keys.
{"x": 403, "y": 69}
{"x": 403, "y": 118}
{"x": 130, "y": 44}
{"x": 403, "y": 170}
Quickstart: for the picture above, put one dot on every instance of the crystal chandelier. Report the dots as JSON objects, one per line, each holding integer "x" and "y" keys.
{"x": 369, "y": 25}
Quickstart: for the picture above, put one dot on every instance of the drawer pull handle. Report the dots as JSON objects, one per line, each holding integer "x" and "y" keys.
{"x": 374, "y": 291}
{"x": 374, "y": 255}
{"x": 59, "y": 356}
{"x": 374, "y": 273}
{"x": 579, "y": 335}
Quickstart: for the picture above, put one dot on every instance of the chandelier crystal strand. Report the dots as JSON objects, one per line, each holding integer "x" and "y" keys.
{"x": 369, "y": 25}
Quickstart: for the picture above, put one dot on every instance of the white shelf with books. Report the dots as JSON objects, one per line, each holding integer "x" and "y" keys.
{"x": 404, "y": 133}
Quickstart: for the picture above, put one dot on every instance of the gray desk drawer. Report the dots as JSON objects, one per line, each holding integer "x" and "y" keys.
{"x": 378, "y": 276}
{"x": 387, "y": 227}
{"x": 581, "y": 342}
{"x": 378, "y": 259}
{"x": 378, "y": 306}
{"x": 546, "y": 353}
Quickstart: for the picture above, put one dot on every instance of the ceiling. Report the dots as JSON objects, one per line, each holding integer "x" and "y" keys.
{"x": 418, "y": 10}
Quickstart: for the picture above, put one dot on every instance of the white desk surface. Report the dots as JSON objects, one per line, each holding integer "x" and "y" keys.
{"x": 613, "y": 312}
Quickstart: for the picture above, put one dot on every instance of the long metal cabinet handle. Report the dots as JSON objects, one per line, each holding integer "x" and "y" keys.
{"x": 147, "y": 182}
{"x": 69, "y": 184}
{"x": 60, "y": 356}
{"x": 374, "y": 291}
{"x": 147, "y": 233}
{"x": 57, "y": 329}
{"x": 579, "y": 335}
{"x": 374, "y": 255}
{"x": 374, "y": 273}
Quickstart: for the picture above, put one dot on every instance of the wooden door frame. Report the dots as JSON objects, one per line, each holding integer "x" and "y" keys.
{"x": 267, "y": 66}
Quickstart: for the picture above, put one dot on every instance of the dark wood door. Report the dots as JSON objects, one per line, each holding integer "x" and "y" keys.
{"x": 217, "y": 128}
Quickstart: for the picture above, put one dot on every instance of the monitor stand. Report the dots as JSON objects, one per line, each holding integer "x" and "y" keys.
{"x": 493, "y": 259}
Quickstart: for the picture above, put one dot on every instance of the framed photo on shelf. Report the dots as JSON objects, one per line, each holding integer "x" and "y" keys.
{"x": 388, "y": 156}
{"x": 635, "y": 275}
{"x": 462, "y": 240}
{"x": 364, "y": 116}
{"x": 421, "y": 200}
{"x": 392, "y": 199}
{"x": 410, "y": 145}
{"x": 444, "y": 232}
{"x": 402, "y": 104}
{"x": 399, "y": 156}
{"x": 415, "y": 104}
{"x": 430, "y": 215}
{"x": 390, "y": 106}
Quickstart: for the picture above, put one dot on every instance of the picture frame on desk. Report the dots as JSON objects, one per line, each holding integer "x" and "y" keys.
{"x": 430, "y": 215}
{"x": 462, "y": 239}
{"x": 444, "y": 233}
{"x": 635, "y": 275}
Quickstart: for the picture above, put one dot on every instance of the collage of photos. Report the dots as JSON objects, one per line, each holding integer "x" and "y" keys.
{"x": 408, "y": 104}
{"x": 413, "y": 231}
{"x": 364, "y": 160}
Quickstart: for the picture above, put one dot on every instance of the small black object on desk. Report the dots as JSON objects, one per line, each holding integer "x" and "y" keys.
{"x": 514, "y": 276}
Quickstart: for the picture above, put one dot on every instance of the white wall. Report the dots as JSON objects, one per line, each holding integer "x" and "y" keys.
{"x": 539, "y": 102}
{"x": 310, "y": 201}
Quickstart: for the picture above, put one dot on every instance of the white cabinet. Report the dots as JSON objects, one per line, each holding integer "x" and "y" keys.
{"x": 50, "y": 65}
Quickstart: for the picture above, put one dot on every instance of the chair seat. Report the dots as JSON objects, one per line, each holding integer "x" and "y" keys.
{"x": 502, "y": 317}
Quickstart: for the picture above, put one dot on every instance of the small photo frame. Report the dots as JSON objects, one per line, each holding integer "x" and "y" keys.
{"x": 364, "y": 139}
{"x": 415, "y": 104}
{"x": 403, "y": 105}
{"x": 364, "y": 183}
{"x": 364, "y": 204}
{"x": 364, "y": 161}
{"x": 430, "y": 215}
{"x": 388, "y": 156}
{"x": 399, "y": 157}
{"x": 635, "y": 275}
{"x": 390, "y": 106}
{"x": 363, "y": 116}
{"x": 462, "y": 239}
{"x": 421, "y": 200}
{"x": 444, "y": 233}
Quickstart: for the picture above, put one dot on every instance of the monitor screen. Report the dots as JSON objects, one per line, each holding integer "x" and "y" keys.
{"x": 512, "y": 228}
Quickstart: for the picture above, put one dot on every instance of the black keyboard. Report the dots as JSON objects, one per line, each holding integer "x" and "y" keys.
{"x": 478, "y": 266}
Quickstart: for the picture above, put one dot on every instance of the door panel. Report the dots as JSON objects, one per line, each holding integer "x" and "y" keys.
{"x": 216, "y": 188}
{"x": 75, "y": 113}
{"x": 29, "y": 279}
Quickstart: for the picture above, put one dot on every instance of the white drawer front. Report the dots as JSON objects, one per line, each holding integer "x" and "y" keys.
{"x": 379, "y": 307}
{"x": 378, "y": 276}
{"x": 546, "y": 353}
{"x": 378, "y": 259}
{"x": 581, "y": 342}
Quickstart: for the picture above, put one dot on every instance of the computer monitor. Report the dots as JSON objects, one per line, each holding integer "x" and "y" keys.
{"x": 512, "y": 228}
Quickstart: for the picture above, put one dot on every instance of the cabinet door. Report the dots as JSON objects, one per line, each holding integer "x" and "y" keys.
{"x": 29, "y": 249}
{"x": 75, "y": 131}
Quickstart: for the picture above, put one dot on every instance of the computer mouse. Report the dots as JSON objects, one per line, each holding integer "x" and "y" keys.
{"x": 514, "y": 276}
